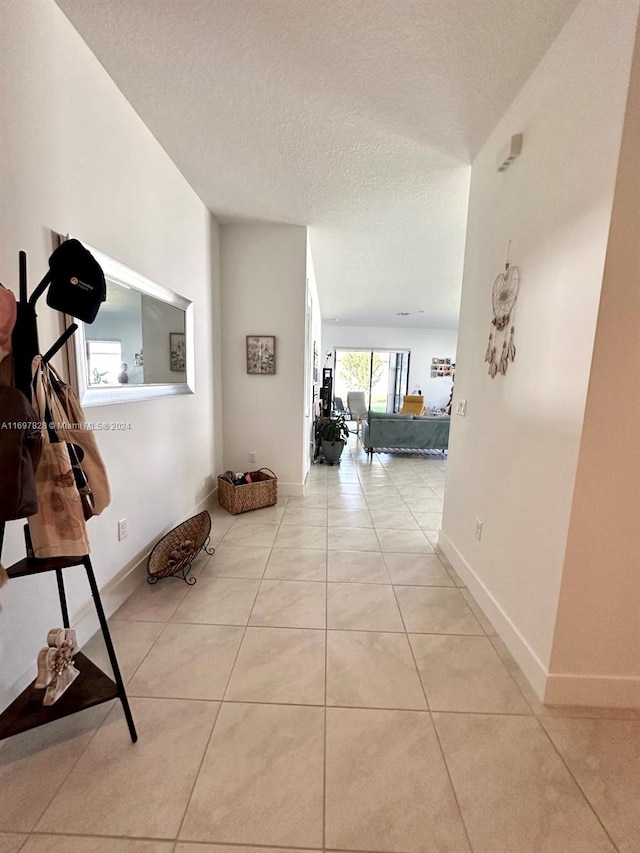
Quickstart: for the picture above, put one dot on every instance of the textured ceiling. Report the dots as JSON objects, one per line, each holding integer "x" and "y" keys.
{"x": 357, "y": 118}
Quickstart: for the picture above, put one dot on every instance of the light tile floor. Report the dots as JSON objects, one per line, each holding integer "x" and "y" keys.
{"x": 328, "y": 683}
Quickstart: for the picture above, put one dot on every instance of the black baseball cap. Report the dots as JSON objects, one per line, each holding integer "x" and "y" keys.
{"x": 77, "y": 284}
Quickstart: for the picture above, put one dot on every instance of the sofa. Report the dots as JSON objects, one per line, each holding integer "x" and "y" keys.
{"x": 414, "y": 432}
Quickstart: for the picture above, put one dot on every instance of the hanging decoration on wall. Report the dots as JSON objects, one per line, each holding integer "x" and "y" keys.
{"x": 503, "y": 297}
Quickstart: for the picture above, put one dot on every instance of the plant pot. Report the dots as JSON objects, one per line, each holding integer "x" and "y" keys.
{"x": 332, "y": 450}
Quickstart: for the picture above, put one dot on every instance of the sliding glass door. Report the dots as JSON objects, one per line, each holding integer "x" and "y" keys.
{"x": 383, "y": 375}
{"x": 398, "y": 380}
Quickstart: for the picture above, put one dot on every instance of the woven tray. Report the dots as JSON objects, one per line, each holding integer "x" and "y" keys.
{"x": 263, "y": 491}
{"x": 175, "y": 552}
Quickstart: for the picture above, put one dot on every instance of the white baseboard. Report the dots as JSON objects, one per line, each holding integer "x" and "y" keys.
{"x": 551, "y": 688}
{"x": 522, "y": 652}
{"x": 603, "y": 691}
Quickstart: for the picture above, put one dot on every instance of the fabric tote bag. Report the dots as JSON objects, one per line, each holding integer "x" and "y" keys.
{"x": 58, "y": 529}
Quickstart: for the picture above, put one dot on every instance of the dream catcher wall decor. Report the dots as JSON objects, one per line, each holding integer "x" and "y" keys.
{"x": 503, "y": 297}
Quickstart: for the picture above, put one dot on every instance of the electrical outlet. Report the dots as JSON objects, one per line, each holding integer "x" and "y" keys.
{"x": 461, "y": 408}
{"x": 252, "y": 456}
{"x": 478, "y": 529}
{"x": 122, "y": 529}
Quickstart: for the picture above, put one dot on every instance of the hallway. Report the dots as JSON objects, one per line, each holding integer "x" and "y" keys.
{"x": 328, "y": 683}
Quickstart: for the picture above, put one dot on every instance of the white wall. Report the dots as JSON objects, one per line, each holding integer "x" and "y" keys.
{"x": 424, "y": 344}
{"x": 76, "y": 158}
{"x": 263, "y": 273}
{"x": 512, "y": 460}
{"x": 596, "y": 651}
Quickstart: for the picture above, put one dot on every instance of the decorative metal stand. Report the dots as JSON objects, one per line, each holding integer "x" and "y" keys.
{"x": 174, "y": 554}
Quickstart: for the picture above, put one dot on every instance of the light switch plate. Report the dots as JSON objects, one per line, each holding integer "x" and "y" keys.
{"x": 461, "y": 408}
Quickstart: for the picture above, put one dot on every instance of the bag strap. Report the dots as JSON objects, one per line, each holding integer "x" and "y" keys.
{"x": 48, "y": 405}
{"x": 53, "y": 373}
{"x": 40, "y": 400}
{"x": 67, "y": 398}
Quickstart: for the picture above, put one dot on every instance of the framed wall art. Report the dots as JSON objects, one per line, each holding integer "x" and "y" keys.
{"x": 261, "y": 354}
{"x": 176, "y": 351}
{"x": 442, "y": 367}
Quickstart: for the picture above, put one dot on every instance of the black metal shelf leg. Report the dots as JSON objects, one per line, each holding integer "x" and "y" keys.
{"x": 63, "y": 599}
{"x": 110, "y": 650}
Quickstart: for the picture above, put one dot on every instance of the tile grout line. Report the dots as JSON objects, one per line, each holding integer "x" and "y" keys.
{"x": 221, "y": 701}
{"x": 203, "y": 844}
{"x": 197, "y": 772}
{"x": 433, "y": 726}
{"x": 147, "y": 653}
{"x": 206, "y": 844}
{"x": 488, "y": 637}
{"x": 577, "y": 784}
{"x": 355, "y": 630}
{"x": 466, "y": 713}
{"x": 74, "y": 764}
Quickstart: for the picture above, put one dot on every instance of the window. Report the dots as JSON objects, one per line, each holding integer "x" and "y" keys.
{"x": 105, "y": 360}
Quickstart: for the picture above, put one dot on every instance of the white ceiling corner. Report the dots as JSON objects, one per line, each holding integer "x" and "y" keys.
{"x": 357, "y": 118}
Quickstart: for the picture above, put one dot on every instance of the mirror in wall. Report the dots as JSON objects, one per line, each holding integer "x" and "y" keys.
{"x": 139, "y": 346}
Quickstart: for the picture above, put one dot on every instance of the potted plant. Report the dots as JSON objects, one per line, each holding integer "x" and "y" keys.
{"x": 332, "y": 434}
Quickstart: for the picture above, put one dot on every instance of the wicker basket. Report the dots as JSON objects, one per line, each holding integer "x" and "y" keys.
{"x": 175, "y": 552}
{"x": 263, "y": 491}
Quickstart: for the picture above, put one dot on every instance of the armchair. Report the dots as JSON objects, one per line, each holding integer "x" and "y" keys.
{"x": 412, "y": 404}
{"x": 338, "y": 407}
{"x": 357, "y": 407}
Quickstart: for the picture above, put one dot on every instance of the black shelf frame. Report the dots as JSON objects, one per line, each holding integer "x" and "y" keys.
{"x": 92, "y": 687}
